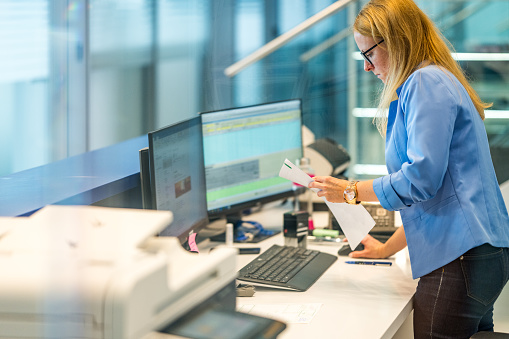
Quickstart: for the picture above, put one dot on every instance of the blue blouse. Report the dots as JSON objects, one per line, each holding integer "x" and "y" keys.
{"x": 441, "y": 176}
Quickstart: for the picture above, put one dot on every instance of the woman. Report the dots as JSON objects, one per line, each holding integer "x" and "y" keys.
{"x": 441, "y": 176}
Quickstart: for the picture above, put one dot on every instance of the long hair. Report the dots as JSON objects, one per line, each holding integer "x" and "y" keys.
{"x": 412, "y": 41}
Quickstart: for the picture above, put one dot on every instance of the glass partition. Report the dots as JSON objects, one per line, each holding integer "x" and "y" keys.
{"x": 479, "y": 32}
{"x": 80, "y": 75}
{"x": 24, "y": 87}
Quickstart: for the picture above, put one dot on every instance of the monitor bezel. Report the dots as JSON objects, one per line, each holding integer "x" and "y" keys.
{"x": 235, "y": 211}
{"x": 201, "y": 224}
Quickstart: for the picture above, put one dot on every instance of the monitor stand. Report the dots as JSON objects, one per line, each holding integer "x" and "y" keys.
{"x": 243, "y": 230}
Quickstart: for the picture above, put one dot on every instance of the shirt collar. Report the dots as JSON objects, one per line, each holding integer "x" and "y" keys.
{"x": 398, "y": 90}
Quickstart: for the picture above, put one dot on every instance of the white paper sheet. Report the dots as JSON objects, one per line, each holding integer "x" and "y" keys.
{"x": 288, "y": 313}
{"x": 355, "y": 220}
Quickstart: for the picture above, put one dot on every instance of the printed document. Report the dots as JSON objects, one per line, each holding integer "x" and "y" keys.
{"x": 355, "y": 220}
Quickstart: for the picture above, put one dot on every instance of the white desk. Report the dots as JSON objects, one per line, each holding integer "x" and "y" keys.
{"x": 357, "y": 301}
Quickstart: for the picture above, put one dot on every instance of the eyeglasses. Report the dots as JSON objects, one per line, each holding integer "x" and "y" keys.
{"x": 364, "y": 54}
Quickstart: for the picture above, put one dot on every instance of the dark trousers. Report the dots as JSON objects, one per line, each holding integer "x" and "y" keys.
{"x": 456, "y": 300}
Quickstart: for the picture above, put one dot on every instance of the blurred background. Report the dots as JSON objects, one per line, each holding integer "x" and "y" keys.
{"x": 80, "y": 75}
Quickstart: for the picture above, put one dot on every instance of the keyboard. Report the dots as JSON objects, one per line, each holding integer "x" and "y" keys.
{"x": 287, "y": 267}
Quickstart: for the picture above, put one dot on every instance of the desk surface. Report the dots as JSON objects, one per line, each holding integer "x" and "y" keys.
{"x": 357, "y": 301}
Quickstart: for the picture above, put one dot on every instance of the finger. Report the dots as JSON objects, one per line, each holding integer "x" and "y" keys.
{"x": 358, "y": 254}
{"x": 319, "y": 178}
{"x": 366, "y": 238}
{"x": 314, "y": 184}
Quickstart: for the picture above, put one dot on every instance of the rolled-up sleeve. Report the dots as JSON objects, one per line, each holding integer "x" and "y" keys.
{"x": 428, "y": 110}
{"x": 388, "y": 197}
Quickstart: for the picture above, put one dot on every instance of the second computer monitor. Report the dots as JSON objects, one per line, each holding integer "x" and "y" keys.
{"x": 244, "y": 149}
{"x": 177, "y": 176}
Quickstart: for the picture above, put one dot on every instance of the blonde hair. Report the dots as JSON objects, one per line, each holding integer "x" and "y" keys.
{"x": 412, "y": 41}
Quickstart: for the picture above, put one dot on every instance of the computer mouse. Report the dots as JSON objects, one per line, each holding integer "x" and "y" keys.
{"x": 345, "y": 250}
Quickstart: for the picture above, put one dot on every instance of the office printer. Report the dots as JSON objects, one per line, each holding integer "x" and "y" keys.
{"x": 327, "y": 158}
{"x": 95, "y": 272}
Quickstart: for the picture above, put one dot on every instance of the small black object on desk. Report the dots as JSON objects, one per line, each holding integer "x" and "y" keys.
{"x": 295, "y": 228}
{"x": 249, "y": 250}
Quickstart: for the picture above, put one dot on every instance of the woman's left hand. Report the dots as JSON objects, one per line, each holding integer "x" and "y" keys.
{"x": 372, "y": 249}
{"x": 331, "y": 188}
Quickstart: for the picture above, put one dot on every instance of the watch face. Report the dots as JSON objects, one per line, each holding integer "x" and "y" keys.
{"x": 349, "y": 194}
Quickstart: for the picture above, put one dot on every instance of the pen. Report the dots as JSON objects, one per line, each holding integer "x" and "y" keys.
{"x": 375, "y": 263}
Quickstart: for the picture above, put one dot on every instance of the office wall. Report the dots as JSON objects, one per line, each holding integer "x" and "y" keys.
{"x": 80, "y": 75}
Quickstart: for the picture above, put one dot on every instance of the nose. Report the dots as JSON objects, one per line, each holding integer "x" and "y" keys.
{"x": 368, "y": 66}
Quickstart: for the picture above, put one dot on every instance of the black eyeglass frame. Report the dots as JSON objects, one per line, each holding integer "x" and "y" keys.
{"x": 369, "y": 50}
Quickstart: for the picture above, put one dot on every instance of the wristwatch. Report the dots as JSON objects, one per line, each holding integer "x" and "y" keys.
{"x": 350, "y": 193}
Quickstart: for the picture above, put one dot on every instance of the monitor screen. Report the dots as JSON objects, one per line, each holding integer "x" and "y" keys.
{"x": 177, "y": 176}
{"x": 244, "y": 149}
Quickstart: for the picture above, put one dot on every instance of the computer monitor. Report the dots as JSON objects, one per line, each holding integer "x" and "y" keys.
{"x": 244, "y": 149}
{"x": 177, "y": 176}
